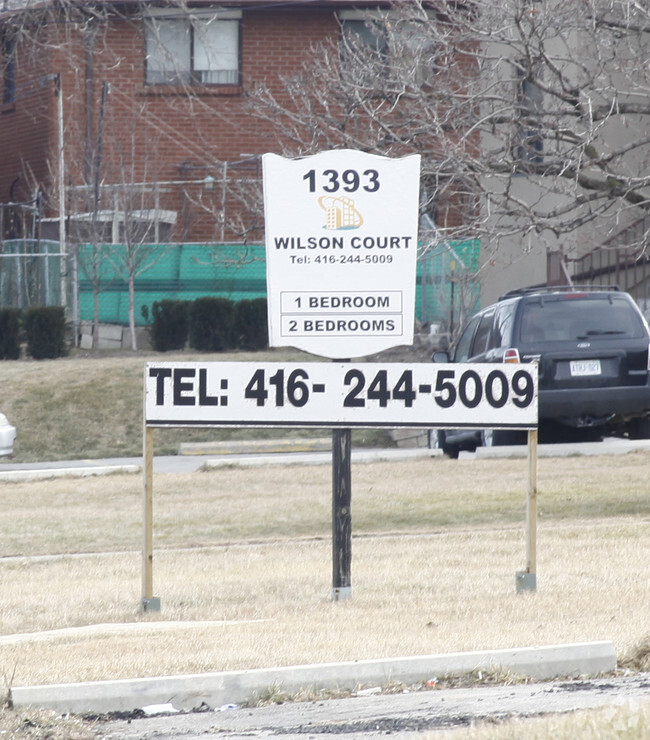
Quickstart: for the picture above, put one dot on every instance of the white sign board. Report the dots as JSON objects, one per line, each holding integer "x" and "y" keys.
{"x": 329, "y": 394}
{"x": 341, "y": 251}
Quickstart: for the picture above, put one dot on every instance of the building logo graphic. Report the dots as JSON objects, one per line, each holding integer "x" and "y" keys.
{"x": 341, "y": 213}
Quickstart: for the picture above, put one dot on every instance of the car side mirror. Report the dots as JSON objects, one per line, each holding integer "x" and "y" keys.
{"x": 440, "y": 356}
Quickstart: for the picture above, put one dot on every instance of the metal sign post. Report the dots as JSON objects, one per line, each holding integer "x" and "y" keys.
{"x": 526, "y": 580}
{"x": 341, "y": 514}
{"x": 335, "y": 221}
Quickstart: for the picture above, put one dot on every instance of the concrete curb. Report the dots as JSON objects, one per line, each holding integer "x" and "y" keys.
{"x": 569, "y": 449}
{"x": 234, "y": 687}
{"x": 254, "y": 446}
{"x": 323, "y": 458}
{"x": 16, "y": 476}
{"x": 168, "y": 463}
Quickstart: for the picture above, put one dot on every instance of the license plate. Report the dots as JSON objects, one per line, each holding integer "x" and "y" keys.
{"x": 585, "y": 367}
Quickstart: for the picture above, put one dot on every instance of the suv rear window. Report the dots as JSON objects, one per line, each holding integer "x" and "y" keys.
{"x": 578, "y": 318}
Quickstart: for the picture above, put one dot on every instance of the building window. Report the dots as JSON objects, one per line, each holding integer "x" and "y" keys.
{"x": 530, "y": 101}
{"x": 193, "y": 49}
{"x": 9, "y": 72}
{"x": 388, "y": 47}
{"x": 367, "y": 33}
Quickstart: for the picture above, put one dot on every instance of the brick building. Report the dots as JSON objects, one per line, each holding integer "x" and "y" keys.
{"x": 151, "y": 101}
{"x": 133, "y": 119}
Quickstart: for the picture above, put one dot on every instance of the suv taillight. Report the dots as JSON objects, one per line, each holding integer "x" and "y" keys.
{"x": 511, "y": 355}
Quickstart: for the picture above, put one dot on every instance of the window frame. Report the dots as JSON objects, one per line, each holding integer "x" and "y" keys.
{"x": 502, "y": 326}
{"x": 529, "y": 105}
{"x": 381, "y": 48}
{"x": 189, "y": 74}
{"x": 465, "y": 341}
{"x": 480, "y": 340}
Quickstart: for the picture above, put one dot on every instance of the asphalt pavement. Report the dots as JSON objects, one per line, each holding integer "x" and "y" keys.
{"x": 192, "y": 458}
{"x": 194, "y": 462}
{"x": 409, "y": 715}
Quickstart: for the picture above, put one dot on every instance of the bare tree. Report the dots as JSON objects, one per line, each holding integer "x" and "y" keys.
{"x": 532, "y": 118}
{"x": 136, "y": 251}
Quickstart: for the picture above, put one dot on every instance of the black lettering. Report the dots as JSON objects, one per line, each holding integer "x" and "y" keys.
{"x": 160, "y": 373}
{"x": 180, "y": 387}
{"x": 204, "y": 399}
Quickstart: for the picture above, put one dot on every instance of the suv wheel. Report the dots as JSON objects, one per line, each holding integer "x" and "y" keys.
{"x": 437, "y": 441}
{"x": 640, "y": 428}
{"x": 501, "y": 437}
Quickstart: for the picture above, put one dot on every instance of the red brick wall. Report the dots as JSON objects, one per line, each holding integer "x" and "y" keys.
{"x": 28, "y": 126}
{"x": 149, "y": 133}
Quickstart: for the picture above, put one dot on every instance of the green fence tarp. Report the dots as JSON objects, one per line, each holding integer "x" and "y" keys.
{"x": 445, "y": 278}
{"x": 176, "y": 271}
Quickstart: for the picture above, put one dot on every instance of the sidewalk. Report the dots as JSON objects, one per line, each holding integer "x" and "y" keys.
{"x": 194, "y": 462}
{"x": 287, "y": 452}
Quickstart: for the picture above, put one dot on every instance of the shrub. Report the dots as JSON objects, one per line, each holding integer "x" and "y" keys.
{"x": 170, "y": 326}
{"x": 211, "y": 324}
{"x": 45, "y": 329}
{"x": 9, "y": 331}
{"x": 251, "y": 329}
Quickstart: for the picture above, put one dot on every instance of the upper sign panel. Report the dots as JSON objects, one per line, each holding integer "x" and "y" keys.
{"x": 341, "y": 251}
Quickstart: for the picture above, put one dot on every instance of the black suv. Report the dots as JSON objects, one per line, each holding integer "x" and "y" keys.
{"x": 591, "y": 345}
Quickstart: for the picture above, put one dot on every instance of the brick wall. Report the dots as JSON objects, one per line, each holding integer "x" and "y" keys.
{"x": 149, "y": 133}
{"x": 28, "y": 125}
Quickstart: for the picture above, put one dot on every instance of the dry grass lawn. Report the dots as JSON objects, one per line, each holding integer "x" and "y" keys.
{"x": 243, "y": 564}
{"x": 622, "y": 722}
{"x": 243, "y": 556}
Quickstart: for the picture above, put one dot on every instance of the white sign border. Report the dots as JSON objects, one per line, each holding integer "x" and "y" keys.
{"x": 222, "y": 384}
{"x": 335, "y": 334}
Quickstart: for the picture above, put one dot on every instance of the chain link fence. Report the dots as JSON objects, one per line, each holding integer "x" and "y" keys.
{"x": 30, "y": 273}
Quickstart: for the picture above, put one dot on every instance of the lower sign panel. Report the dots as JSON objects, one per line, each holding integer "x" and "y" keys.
{"x": 340, "y": 394}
